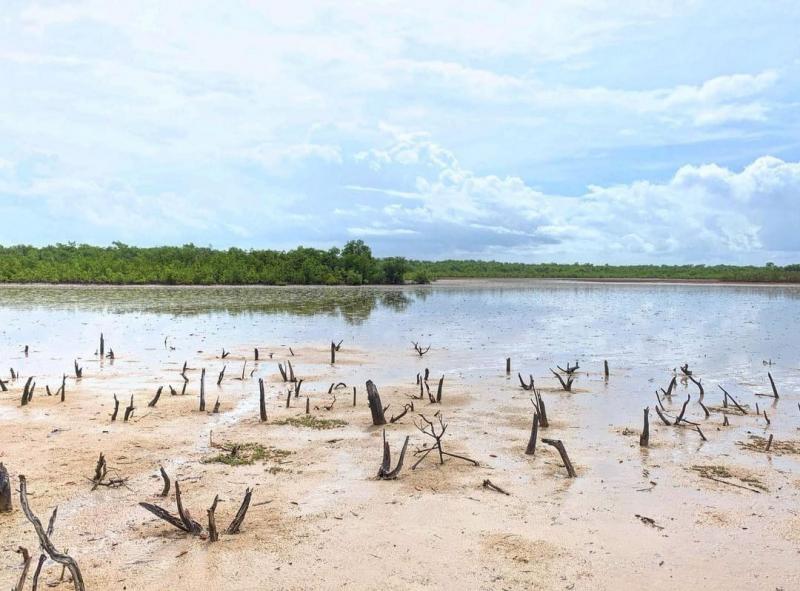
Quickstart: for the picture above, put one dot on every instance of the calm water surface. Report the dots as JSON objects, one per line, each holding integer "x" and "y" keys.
{"x": 644, "y": 330}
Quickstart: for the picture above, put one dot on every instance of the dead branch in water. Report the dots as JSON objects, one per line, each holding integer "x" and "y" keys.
{"x": 732, "y": 399}
{"x": 685, "y": 370}
{"x": 668, "y": 392}
{"x": 116, "y": 409}
{"x": 570, "y": 369}
{"x": 559, "y": 445}
{"x": 44, "y": 539}
{"x": 385, "y": 472}
{"x": 406, "y": 407}
{"x": 221, "y": 375}
{"x": 420, "y": 351}
{"x": 567, "y": 386}
{"x": 698, "y": 384}
{"x": 508, "y": 364}
{"x": 522, "y": 383}
{"x": 774, "y": 389}
{"x": 78, "y": 371}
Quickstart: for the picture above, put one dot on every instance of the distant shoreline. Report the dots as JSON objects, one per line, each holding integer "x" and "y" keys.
{"x": 442, "y": 282}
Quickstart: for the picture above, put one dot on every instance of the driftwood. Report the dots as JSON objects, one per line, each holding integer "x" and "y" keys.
{"x": 5, "y": 490}
{"x": 375, "y": 407}
{"x": 559, "y": 445}
{"x": 605, "y": 368}
{"x": 685, "y": 370}
{"x": 668, "y": 392}
{"x": 116, "y": 409}
{"x": 44, "y": 539}
{"x": 102, "y": 345}
{"x": 78, "y": 371}
{"x": 221, "y": 375}
{"x": 566, "y": 385}
{"x": 429, "y": 429}
{"x": 508, "y": 364}
{"x": 385, "y": 472}
{"x": 333, "y": 352}
{"x": 283, "y": 372}
{"x": 63, "y": 388}
{"x": 644, "y": 438}
{"x": 491, "y": 486}
{"x": 406, "y": 408}
{"x": 529, "y": 385}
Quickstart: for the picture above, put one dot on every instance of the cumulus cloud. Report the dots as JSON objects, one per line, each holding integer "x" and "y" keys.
{"x": 708, "y": 212}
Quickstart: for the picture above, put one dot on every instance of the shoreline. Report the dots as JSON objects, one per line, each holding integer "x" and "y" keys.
{"x": 445, "y": 281}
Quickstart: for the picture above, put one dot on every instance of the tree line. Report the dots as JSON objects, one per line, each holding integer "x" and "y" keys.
{"x": 353, "y": 264}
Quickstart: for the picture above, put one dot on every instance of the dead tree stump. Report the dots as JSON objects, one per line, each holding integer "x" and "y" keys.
{"x": 5, "y": 490}
{"x": 262, "y": 403}
{"x": 531, "y": 449}
{"x": 644, "y": 438}
{"x": 375, "y": 406}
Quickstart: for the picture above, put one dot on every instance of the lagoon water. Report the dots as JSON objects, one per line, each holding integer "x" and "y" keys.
{"x": 726, "y": 331}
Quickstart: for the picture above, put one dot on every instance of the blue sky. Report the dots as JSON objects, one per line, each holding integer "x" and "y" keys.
{"x": 578, "y": 130}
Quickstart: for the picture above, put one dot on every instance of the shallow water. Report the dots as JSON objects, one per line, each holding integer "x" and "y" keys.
{"x": 726, "y": 332}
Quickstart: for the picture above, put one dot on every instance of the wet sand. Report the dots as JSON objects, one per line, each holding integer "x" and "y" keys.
{"x": 715, "y": 514}
{"x": 320, "y": 519}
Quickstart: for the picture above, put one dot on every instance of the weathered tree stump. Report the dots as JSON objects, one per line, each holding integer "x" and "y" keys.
{"x": 203, "y": 390}
{"x": 5, "y": 490}
{"x": 375, "y": 407}
{"x": 644, "y": 438}
{"x": 531, "y": 449}
{"x": 385, "y": 472}
{"x": 262, "y": 402}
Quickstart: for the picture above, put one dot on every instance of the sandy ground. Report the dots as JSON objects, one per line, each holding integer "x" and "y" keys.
{"x": 320, "y": 519}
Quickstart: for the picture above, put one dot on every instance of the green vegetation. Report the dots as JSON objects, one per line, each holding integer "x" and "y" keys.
{"x": 192, "y": 265}
{"x": 351, "y": 265}
{"x": 312, "y": 422}
{"x": 491, "y": 269}
{"x": 244, "y": 454}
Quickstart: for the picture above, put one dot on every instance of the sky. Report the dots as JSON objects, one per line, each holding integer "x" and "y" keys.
{"x": 572, "y": 131}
